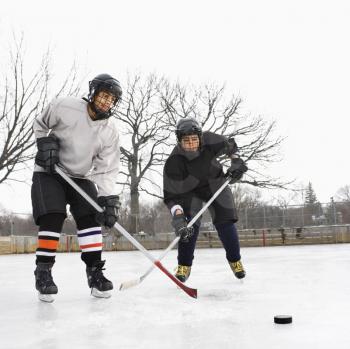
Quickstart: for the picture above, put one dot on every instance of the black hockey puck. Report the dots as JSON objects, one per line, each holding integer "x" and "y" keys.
{"x": 282, "y": 319}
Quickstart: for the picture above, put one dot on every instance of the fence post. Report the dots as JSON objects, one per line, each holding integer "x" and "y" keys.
{"x": 302, "y": 216}
{"x": 12, "y": 223}
{"x": 334, "y": 211}
{"x": 264, "y": 237}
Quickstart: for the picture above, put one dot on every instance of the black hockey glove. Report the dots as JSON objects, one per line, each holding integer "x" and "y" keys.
{"x": 111, "y": 205}
{"x": 231, "y": 147}
{"x": 236, "y": 170}
{"x": 180, "y": 224}
{"x": 47, "y": 155}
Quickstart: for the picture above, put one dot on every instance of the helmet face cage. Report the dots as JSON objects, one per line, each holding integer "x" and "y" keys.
{"x": 188, "y": 126}
{"x": 104, "y": 82}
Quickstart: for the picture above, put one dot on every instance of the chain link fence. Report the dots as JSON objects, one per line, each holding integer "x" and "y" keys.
{"x": 331, "y": 213}
{"x": 288, "y": 216}
{"x": 159, "y": 221}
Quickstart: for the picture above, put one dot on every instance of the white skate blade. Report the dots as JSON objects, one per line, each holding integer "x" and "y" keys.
{"x": 47, "y": 298}
{"x": 100, "y": 294}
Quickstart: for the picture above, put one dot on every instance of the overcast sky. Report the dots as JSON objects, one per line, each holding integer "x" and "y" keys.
{"x": 288, "y": 60}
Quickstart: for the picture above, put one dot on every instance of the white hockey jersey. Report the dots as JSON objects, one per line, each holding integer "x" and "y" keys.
{"x": 88, "y": 149}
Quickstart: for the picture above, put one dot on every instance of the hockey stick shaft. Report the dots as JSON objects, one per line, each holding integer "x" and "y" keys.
{"x": 176, "y": 240}
{"x": 190, "y": 291}
{"x": 194, "y": 219}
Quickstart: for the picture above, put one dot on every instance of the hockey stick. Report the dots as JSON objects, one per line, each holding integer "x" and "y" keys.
{"x": 131, "y": 283}
{"x": 190, "y": 291}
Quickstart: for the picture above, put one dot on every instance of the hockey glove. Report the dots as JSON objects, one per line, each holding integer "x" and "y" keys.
{"x": 236, "y": 170}
{"x": 180, "y": 224}
{"x": 47, "y": 155}
{"x": 231, "y": 147}
{"x": 111, "y": 205}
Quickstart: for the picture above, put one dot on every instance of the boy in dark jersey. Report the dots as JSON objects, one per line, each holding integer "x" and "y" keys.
{"x": 192, "y": 174}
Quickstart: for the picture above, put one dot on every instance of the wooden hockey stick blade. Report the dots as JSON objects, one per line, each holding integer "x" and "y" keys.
{"x": 192, "y": 292}
{"x": 134, "y": 282}
{"x": 131, "y": 283}
{"x": 128, "y": 284}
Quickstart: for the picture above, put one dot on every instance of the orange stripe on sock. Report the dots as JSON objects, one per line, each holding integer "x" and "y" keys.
{"x": 50, "y": 244}
{"x": 99, "y": 244}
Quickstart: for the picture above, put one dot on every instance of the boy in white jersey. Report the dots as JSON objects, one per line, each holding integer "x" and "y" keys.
{"x": 79, "y": 136}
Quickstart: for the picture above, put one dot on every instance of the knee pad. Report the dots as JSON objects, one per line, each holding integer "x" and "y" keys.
{"x": 85, "y": 222}
{"x": 52, "y": 222}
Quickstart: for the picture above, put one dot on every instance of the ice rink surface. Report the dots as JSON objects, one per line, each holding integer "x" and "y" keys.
{"x": 311, "y": 283}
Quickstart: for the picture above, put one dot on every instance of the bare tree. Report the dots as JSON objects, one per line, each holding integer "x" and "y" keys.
{"x": 22, "y": 97}
{"x": 145, "y": 141}
{"x": 247, "y": 197}
{"x": 220, "y": 113}
{"x": 343, "y": 194}
{"x": 149, "y": 113}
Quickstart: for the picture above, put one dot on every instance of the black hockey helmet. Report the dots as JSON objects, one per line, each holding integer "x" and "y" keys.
{"x": 188, "y": 126}
{"x": 104, "y": 82}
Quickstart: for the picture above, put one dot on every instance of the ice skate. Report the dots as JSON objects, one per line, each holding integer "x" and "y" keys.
{"x": 182, "y": 272}
{"x": 238, "y": 270}
{"x": 97, "y": 282}
{"x": 44, "y": 282}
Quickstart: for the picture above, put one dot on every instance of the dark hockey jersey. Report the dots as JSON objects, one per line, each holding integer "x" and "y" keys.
{"x": 185, "y": 172}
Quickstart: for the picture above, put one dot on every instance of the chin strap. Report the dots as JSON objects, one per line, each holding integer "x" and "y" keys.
{"x": 98, "y": 114}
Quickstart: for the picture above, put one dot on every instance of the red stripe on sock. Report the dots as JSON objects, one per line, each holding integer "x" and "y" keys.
{"x": 98, "y": 244}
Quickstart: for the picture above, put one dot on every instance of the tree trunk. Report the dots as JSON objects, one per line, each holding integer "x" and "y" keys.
{"x": 134, "y": 211}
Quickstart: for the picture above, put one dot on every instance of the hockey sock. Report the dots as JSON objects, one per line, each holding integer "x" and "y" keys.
{"x": 90, "y": 239}
{"x": 186, "y": 249}
{"x": 229, "y": 238}
{"x": 50, "y": 226}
